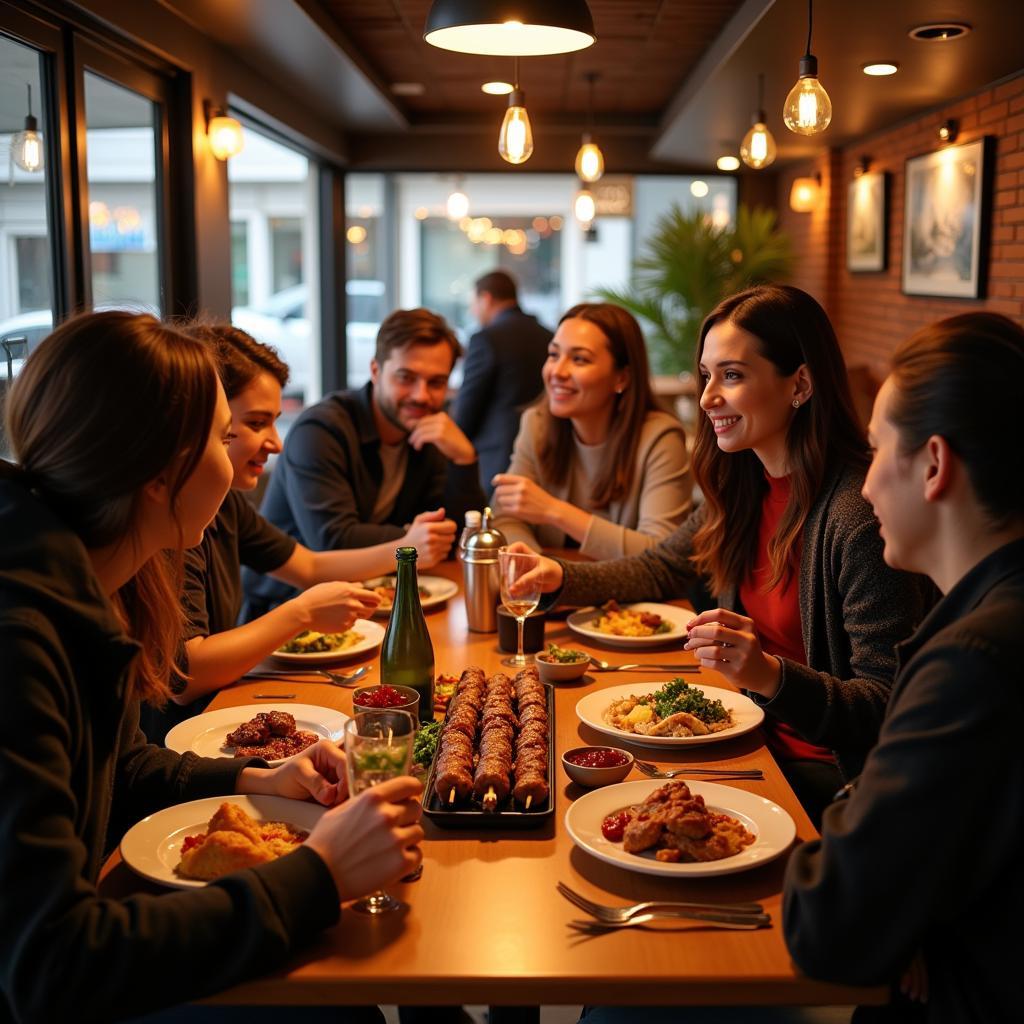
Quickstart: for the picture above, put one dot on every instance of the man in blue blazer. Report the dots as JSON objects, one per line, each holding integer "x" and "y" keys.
{"x": 502, "y": 372}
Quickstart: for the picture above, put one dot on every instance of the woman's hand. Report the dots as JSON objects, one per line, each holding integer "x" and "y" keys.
{"x": 547, "y": 576}
{"x": 520, "y": 497}
{"x": 317, "y": 772}
{"x": 728, "y": 642}
{"x": 914, "y": 983}
{"x": 334, "y": 607}
{"x": 373, "y": 839}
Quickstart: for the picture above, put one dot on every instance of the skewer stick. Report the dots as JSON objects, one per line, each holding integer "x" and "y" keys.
{"x": 529, "y": 800}
{"x": 490, "y": 800}
{"x": 451, "y": 796}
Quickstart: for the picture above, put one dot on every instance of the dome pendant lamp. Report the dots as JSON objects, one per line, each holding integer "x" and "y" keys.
{"x": 515, "y": 140}
{"x": 590, "y": 159}
{"x": 510, "y": 28}
{"x": 757, "y": 149}
{"x": 807, "y": 110}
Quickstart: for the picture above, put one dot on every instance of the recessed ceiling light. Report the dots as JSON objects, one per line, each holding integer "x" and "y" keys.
{"x": 496, "y": 88}
{"x": 881, "y": 69}
{"x": 728, "y": 163}
{"x": 408, "y": 88}
{"x": 939, "y": 32}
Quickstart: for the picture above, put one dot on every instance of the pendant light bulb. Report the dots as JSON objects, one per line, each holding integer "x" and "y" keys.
{"x": 27, "y": 145}
{"x": 758, "y": 148}
{"x": 807, "y": 109}
{"x": 457, "y": 206}
{"x": 515, "y": 141}
{"x": 589, "y": 161}
{"x": 584, "y": 208}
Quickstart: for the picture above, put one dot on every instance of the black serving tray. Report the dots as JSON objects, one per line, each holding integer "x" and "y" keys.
{"x": 508, "y": 814}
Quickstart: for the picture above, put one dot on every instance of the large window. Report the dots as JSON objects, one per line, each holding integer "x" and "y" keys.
{"x": 124, "y": 235}
{"x": 26, "y": 287}
{"x": 274, "y": 271}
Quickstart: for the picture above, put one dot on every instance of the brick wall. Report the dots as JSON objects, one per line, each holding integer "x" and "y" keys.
{"x": 870, "y": 313}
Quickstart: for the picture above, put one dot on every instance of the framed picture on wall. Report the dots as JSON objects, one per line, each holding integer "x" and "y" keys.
{"x": 946, "y": 217}
{"x": 866, "y": 228}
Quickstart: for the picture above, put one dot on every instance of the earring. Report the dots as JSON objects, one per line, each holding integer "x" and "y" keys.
{"x": 619, "y": 391}
{"x": 796, "y": 403}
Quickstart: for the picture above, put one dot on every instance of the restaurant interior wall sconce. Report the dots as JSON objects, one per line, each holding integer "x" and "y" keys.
{"x": 803, "y": 196}
{"x": 757, "y": 149}
{"x": 949, "y": 130}
{"x": 728, "y": 162}
{"x": 590, "y": 159}
{"x": 27, "y": 145}
{"x": 224, "y": 132}
{"x": 510, "y": 28}
{"x": 807, "y": 109}
{"x": 515, "y": 140}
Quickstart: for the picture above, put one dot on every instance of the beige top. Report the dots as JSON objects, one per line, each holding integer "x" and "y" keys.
{"x": 393, "y": 459}
{"x": 659, "y": 499}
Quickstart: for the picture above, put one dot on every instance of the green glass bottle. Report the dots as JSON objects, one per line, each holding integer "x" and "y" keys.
{"x": 407, "y": 655}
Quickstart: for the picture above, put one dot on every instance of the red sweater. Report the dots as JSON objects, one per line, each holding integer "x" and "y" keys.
{"x": 777, "y": 617}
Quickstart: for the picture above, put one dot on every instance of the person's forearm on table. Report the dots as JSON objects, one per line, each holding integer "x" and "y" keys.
{"x": 214, "y": 661}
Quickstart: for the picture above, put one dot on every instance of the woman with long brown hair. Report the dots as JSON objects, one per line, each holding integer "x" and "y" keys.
{"x": 596, "y": 464}
{"x": 808, "y": 612}
{"x": 120, "y": 427}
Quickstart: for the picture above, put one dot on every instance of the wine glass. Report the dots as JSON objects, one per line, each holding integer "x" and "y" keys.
{"x": 378, "y": 747}
{"x": 512, "y": 565}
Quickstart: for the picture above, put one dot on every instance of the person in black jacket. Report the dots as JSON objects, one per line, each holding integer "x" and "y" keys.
{"x": 382, "y": 463}
{"x": 502, "y": 374}
{"x": 94, "y": 519}
{"x": 918, "y": 872}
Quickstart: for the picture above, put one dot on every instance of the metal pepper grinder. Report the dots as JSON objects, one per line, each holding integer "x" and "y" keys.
{"x": 480, "y": 576}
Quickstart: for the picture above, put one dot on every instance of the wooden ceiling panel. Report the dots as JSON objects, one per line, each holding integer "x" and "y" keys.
{"x": 644, "y": 51}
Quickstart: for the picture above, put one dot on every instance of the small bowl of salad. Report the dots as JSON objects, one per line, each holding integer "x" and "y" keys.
{"x": 561, "y": 664}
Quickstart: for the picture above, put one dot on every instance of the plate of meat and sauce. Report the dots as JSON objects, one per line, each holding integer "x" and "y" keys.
{"x": 256, "y": 730}
{"x": 679, "y": 829}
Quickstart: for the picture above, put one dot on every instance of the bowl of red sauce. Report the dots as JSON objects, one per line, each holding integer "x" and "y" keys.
{"x": 597, "y": 766}
{"x": 386, "y": 698}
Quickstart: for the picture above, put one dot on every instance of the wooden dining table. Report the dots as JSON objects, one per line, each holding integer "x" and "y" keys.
{"x": 485, "y": 923}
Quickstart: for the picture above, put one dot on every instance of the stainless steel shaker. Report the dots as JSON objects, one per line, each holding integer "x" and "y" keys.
{"x": 480, "y": 576}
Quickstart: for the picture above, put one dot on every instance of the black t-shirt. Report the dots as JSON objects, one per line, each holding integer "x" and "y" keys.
{"x": 212, "y": 596}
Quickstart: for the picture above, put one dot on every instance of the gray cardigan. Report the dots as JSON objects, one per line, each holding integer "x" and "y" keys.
{"x": 854, "y": 609}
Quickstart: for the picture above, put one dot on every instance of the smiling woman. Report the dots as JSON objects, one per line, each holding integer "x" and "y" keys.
{"x": 808, "y": 611}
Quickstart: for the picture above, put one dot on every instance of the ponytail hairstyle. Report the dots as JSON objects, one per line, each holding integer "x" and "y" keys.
{"x": 792, "y": 331}
{"x": 106, "y": 404}
{"x": 556, "y": 450}
{"x": 963, "y": 379}
{"x": 240, "y": 357}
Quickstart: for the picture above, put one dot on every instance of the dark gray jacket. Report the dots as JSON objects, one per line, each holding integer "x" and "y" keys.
{"x": 75, "y": 771}
{"x": 853, "y": 611}
{"x": 500, "y": 378}
{"x": 926, "y": 852}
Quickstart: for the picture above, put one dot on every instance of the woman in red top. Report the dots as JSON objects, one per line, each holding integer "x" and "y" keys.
{"x": 808, "y": 613}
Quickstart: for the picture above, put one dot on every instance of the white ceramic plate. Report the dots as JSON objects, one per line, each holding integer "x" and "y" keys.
{"x": 441, "y": 590}
{"x": 152, "y": 847}
{"x": 581, "y": 622}
{"x": 591, "y": 708}
{"x": 773, "y": 827}
{"x": 204, "y": 734}
{"x": 372, "y": 633}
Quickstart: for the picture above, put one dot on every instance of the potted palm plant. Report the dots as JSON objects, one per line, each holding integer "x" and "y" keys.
{"x": 689, "y": 265}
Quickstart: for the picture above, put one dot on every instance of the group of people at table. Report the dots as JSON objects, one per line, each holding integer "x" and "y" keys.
{"x": 867, "y": 591}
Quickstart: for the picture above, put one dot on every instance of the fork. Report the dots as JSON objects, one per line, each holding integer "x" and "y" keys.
{"x": 652, "y": 771}
{"x": 349, "y": 680}
{"x": 599, "y": 665}
{"x": 738, "y": 922}
{"x": 620, "y": 915}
